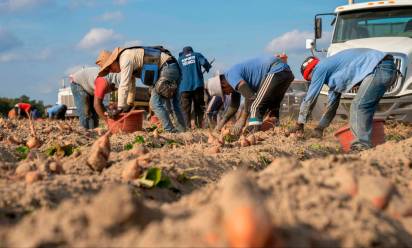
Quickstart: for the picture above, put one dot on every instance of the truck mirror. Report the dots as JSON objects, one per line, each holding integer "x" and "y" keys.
{"x": 318, "y": 28}
{"x": 309, "y": 43}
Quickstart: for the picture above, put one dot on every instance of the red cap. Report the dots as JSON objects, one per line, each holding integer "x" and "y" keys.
{"x": 308, "y": 68}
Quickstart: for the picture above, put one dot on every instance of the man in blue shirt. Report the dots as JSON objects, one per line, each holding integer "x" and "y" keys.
{"x": 373, "y": 71}
{"x": 262, "y": 81}
{"x": 57, "y": 112}
{"x": 192, "y": 84}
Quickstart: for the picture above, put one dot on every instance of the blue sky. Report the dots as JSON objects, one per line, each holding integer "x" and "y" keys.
{"x": 41, "y": 41}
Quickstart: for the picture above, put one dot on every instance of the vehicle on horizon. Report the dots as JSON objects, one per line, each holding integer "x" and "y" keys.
{"x": 380, "y": 25}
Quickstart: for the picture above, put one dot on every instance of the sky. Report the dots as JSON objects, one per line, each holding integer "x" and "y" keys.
{"x": 43, "y": 41}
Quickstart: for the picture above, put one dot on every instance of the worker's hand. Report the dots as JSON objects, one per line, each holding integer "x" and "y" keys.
{"x": 318, "y": 133}
{"x": 113, "y": 113}
{"x": 240, "y": 123}
{"x": 297, "y": 129}
{"x": 220, "y": 125}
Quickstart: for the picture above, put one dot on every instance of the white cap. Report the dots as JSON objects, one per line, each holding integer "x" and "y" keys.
{"x": 214, "y": 87}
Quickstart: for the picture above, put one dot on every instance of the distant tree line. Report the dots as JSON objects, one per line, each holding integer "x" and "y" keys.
{"x": 8, "y": 103}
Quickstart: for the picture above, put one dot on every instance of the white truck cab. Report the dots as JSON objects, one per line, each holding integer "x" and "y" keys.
{"x": 380, "y": 25}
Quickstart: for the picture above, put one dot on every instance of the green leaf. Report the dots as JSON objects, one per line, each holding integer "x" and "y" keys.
{"x": 23, "y": 151}
{"x": 154, "y": 174}
{"x": 153, "y": 177}
{"x": 50, "y": 151}
{"x": 139, "y": 140}
{"x": 128, "y": 146}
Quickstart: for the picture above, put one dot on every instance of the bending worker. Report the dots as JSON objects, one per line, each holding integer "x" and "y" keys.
{"x": 192, "y": 84}
{"x": 157, "y": 68}
{"x": 370, "y": 70}
{"x": 83, "y": 89}
{"x": 262, "y": 81}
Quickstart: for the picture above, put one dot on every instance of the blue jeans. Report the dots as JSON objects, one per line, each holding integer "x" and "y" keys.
{"x": 84, "y": 104}
{"x": 364, "y": 104}
{"x": 159, "y": 103}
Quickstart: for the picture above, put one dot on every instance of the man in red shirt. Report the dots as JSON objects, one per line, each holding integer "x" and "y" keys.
{"x": 101, "y": 88}
{"x": 22, "y": 109}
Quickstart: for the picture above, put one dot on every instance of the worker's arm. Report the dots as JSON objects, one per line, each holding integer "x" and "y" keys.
{"x": 99, "y": 107}
{"x": 204, "y": 63}
{"x": 231, "y": 111}
{"x": 126, "y": 80}
{"x": 244, "y": 89}
{"x": 330, "y": 112}
{"x": 318, "y": 80}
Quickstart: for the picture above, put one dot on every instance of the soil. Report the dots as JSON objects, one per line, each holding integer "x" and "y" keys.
{"x": 309, "y": 192}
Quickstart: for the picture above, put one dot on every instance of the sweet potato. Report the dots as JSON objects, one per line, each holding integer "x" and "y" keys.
{"x": 32, "y": 176}
{"x": 99, "y": 153}
{"x": 33, "y": 142}
{"x": 131, "y": 171}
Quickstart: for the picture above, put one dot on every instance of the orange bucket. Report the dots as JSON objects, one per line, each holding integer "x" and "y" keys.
{"x": 345, "y": 135}
{"x": 133, "y": 122}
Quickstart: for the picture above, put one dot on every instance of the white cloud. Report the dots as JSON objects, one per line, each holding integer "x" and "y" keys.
{"x": 14, "y": 5}
{"x": 97, "y": 38}
{"x": 290, "y": 41}
{"x": 295, "y": 41}
{"x": 111, "y": 16}
{"x": 25, "y": 55}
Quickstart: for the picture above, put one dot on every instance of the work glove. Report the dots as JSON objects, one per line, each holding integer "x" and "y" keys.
{"x": 113, "y": 113}
{"x": 240, "y": 123}
{"x": 318, "y": 133}
{"x": 297, "y": 129}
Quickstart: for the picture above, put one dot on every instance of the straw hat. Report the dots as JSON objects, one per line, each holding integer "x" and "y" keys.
{"x": 106, "y": 58}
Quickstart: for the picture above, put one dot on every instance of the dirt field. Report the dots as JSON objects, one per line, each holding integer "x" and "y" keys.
{"x": 282, "y": 191}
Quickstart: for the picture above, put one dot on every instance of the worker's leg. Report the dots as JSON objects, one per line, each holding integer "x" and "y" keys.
{"x": 158, "y": 105}
{"x": 364, "y": 104}
{"x": 180, "y": 120}
{"x": 266, "y": 94}
{"x": 186, "y": 104}
{"x": 94, "y": 117}
{"x": 81, "y": 101}
{"x": 199, "y": 102}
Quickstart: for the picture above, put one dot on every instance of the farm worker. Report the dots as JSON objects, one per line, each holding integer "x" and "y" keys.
{"x": 83, "y": 89}
{"x": 157, "y": 68}
{"x": 262, "y": 81}
{"x": 192, "y": 84}
{"x": 369, "y": 70}
{"x": 35, "y": 113}
{"x": 23, "y": 109}
{"x": 57, "y": 112}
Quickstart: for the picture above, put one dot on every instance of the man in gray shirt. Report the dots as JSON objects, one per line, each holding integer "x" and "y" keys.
{"x": 83, "y": 89}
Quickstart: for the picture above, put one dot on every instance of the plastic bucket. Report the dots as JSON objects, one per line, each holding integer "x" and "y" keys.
{"x": 133, "y": 122}
{"x": 345, "y": 135}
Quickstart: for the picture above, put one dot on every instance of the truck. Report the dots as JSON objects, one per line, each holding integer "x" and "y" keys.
{"x": 380, "y": 25}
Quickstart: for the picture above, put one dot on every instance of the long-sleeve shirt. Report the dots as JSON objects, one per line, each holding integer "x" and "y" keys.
{"x": 131, "y": 60}
{"x": 191, "y": 66}
{"x": 340, "y": 72}
{"x": 253, "y": 71}
{"x": 86, "y": 77}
